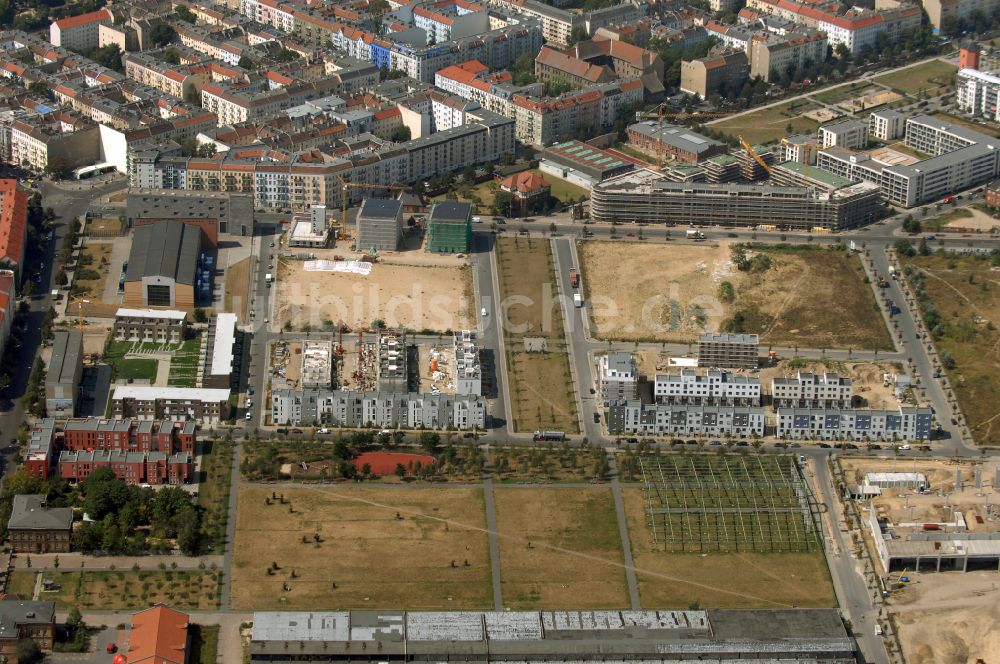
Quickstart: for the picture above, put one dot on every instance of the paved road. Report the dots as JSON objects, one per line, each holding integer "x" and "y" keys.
{"x": 616, "y": 494}
{"x": 853, "y": 594}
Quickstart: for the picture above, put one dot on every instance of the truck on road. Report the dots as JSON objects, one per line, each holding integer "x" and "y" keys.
{"x": 892, "y": 272}
{"x": 574, "y": 278}
{"x": 695, "y": 235}
{"x": 269, "y": 278}
{"x": 577, "y": 299}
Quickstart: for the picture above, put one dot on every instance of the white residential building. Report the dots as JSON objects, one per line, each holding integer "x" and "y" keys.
{"x": 905, "y": 423}
{"x": 667, "y": 419}
{"x": 887, "y": 125}
{"x": 714, "y": 387}
{"x": 979, "y": 93}
{"x": 810, "y": 390}
{"x": 80, "y": 32}
{"x": 617, "y": 377}
{"x": 851, "y": 134}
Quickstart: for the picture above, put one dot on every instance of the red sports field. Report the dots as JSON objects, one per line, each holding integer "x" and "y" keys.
{"x": 384, "y": 463}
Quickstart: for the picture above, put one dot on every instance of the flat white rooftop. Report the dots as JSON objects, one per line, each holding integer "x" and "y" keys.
{"x": 222, "y": 351}
{"x": 169, "y": 314}
{"x": 150, "y": 392}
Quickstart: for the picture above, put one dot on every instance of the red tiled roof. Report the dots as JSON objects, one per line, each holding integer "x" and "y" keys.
{"x": 13, "y": 219}
{"x": 159, "y": 636}
{"x": 524, "y": 182}
{"x": 84, "y": 19}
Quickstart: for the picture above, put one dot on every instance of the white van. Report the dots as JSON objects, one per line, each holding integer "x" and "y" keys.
{"x": 484, "y": 312}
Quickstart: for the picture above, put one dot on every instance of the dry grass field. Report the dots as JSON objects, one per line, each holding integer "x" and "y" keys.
{"x": 930, "y": 78}
{"x": 773, "y": 580}
{"x": 237, "y": 285}
{"x": 527, "y": 287}
{"x": 673, "y": 295}
{"x": 379, "y": 548}
{"x": 541, "y": 391}
{"x": 964, "y": 291}
{"x": 770, "y": 124}
{"x": 403, "y": 291}
{"x": 21, "y": 584}
{"x": 560, "y": 549}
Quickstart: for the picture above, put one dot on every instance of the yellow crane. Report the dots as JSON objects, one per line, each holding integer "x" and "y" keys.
{"x": 756, "y": 157}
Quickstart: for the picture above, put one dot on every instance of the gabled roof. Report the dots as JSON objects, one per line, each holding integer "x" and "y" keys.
{"x": 159, "y": 636}
{"x": 84, "y": 19}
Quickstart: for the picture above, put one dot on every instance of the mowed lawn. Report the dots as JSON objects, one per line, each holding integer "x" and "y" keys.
{"x": 560, "y": 549}
{"x": 681, "y": 580}
{"x": 770, "y": 124}
{"x": 965, "y": 292}
{"x": 378, "y": 548}
{"x": 931, "y": 77}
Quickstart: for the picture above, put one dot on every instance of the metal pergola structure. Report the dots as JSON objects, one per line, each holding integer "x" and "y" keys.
{"x": 729, "y": 503}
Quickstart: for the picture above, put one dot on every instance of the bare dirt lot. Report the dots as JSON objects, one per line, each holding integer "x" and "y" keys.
{"x": 677, "y": 580}
{"x": 415, "y": 290}
{"x": 560, "y": 549}
{"x": 866, "y": 378}
{"x": 949, "y": 617}
{"x": 674, "y": 295}
{"x": 379, "y": 548}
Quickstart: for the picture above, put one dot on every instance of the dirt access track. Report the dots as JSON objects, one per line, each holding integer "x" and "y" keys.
{"x": 413, "y": 289}
{"x": 670, "y": 292}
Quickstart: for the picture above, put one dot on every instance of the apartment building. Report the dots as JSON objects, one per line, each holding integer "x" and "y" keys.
{"x": 904, "y": 423}
{"x": 728, "y": 351}
{"x": 811, "y": 390}
{"x": 472, "y": 80}
{"x": 711, "y": 388}
{"x": 13, "y": 237}
{"x": 678, "y": 420}
{"x": 648, "y": 197}
{"x": 617, "y": 377}
{"x": 467, "y": 367}
{"x": 557, "y": 24}
{"x": 80, "y": 32}
{"x": 978, "y": 93}
{"x": 130, "y": 435}
{"x": 850, "y": 134}
{"x": 450, "y": 19}
{"x": 378, "y": 409}
{"x": 962, "y": 158}
{"x": 380, "y": 224}
{"x": 62, "y": 380}
{"x": 135, "y": 468}
{"x": 944, "y": 14}
{"x": 179, "y": 404}
{"x": 706, "y": 76}
{"x": 541, "y": 122}
{"x": 772, "y": 54}
{"x": 181, "y": 81}
{"x": 160, "y": 326}
{"x": 672, "y": 142}
{"x": 553, "y": 65}
{"x": 38, "y": 460}
{"x": 887, "y": 125}
{"x": 36, "y": 139}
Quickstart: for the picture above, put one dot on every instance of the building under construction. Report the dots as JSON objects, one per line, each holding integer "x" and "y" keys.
{"x": 317, "y": 364}
{"x": 468, "y": 372}
{"x": 392, "y": 362}
{"x": 449, "y": 228}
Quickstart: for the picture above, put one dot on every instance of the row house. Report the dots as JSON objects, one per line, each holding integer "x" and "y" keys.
{"x": 714, "y": 387}
{"x": 135, "y": 468}
{"x": 378, "y": 409}
{"x": 130, "y": 435}
{"x": 904, "y": 423}
{"x": 179, "y": 404}
{"x": 811, "y": 390}
{"x": 681, "y": 420}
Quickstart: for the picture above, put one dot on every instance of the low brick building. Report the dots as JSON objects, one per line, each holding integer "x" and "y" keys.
{"x": 130, "y": 435}
{"x": 993, "y": 194}
{"x": 34, "y": 527}
{"x": 130, "y": 467}
{"x": 25, "y": 619}
{"x": 150, "y": 325}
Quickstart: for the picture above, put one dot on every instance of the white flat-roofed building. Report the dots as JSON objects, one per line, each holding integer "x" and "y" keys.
{"x": 617, "y": 377}
{"x": 887, "y": 125}
{"x": 896, "y": 480}
{"x": 851, "y": 134}
{"x": 714, "y": 387}
{"x": 468, "y": 371}
{"x": 220, "y": 365}
{"x": 812, "y": 390}
{"x": 978, "y": 93}
{"x": 179, "y": 404}
{"x": 150, "y": 325}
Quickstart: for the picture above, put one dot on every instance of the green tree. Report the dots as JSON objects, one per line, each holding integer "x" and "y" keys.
{"x": 726, "y": 291}
{"x": 39, "y": 88}
{"x": 185, "y": 14}
{"x": 27, "y": 652}
{"x": 162, "y": 33}
{"x": 923, "y": 249}
{"x": 429, "y": 440}
{"x": 171, "y": 56}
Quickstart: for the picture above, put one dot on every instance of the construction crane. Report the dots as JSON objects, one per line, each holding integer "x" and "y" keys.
{"x": 345, "y": 185}
{"x": 753, "y": 153}
{"x": 660, "y": 116}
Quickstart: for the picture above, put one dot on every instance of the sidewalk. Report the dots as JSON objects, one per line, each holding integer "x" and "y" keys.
{"x": 69, "y": 562}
